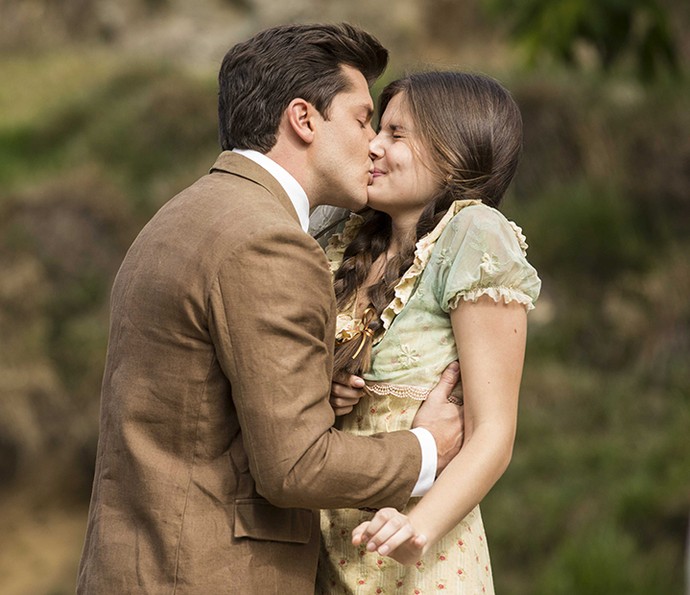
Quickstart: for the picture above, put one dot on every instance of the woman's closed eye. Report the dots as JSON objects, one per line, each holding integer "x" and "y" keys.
{"x": 397, "y": 132}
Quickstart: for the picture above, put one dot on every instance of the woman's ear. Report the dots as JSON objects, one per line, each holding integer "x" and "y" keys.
{"x": 300, "y": 114}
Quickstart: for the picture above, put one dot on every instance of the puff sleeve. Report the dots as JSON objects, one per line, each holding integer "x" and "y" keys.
{"x": 482, "y": 253}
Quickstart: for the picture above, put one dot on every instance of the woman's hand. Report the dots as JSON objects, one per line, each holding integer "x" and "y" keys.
{"x": 346, "y": 391}
{"x": 390, "y": 533}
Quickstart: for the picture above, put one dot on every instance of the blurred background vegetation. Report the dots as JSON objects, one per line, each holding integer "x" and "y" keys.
{"x": 107, "y": 109}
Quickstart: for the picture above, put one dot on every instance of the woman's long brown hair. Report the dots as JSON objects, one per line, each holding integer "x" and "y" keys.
{"x": 470, "y": 129}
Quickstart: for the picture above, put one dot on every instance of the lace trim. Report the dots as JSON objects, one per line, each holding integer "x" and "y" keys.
{"x": 425, "y": 246}
{"x": 522, "y": 240}
{"x": 507, "y": 294}
{"x": 401, "y": 391}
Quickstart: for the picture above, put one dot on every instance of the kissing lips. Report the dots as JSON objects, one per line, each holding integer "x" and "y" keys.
{"x": 375, "y": 173}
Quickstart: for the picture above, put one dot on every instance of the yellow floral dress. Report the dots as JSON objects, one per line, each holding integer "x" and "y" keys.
{"x": 473, "y": 251}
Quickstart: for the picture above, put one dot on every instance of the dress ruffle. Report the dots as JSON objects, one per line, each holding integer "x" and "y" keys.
{"x": 505, "y": 294}
{"x": 403, "y": 290}
{"x": 522, "y": 240}
{"x": 339, "y": 241}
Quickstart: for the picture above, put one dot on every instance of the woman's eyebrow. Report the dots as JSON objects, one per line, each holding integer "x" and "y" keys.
{"x": 393, "y": 127}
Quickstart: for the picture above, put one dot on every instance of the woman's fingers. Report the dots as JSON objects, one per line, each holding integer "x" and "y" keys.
{"x": 359, "y": 534}
{"x": 407, "y": 553}
{"x": 346, "y": 391}
{"x": 350, "y": 380}
{"x": 386, "y": 531}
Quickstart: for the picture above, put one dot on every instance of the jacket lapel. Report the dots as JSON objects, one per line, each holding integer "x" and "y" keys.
{"x": 238, "y": 165}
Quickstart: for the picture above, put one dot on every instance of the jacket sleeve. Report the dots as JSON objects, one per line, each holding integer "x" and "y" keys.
{"x": 271, "y": 318}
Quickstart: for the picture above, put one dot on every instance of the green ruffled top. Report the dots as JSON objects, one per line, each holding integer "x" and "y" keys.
{"x": 473, "y": 251}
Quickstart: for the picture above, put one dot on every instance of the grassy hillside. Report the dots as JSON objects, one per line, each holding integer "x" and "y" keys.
{"x": 598, "y": 494}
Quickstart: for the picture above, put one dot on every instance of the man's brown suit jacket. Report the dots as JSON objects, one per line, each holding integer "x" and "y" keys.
{"x": 216, "y": 444}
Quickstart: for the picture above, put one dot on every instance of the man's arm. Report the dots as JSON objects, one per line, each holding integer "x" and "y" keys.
{"x": 439, "y": 421}
{"x": 272, "y": 322}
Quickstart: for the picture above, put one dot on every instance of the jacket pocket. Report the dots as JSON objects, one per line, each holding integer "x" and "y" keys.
{"x": 256, "y": 518}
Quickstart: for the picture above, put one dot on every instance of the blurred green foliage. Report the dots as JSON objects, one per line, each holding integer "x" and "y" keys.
{"x": 632, "y": 31}
{"x": 600, "y": 480}
{"x": 597, "y": 497}
{"x": 81, "y": 173}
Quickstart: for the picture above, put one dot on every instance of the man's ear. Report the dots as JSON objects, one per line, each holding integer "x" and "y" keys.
{"x": 300, "y": 114}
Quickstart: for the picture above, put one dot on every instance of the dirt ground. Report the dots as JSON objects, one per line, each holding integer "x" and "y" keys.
{"x": 39, "y": 547}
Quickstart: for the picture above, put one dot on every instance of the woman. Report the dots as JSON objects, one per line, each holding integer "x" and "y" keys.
{"x": 434, "y": 274}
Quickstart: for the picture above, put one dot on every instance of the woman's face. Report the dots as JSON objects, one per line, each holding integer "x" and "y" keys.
{"x": 402, "y": 184}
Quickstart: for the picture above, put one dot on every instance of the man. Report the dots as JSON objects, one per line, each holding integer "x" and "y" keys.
{"x": 216, "y": 440}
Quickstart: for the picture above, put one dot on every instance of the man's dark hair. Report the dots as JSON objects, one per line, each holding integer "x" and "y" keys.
{"x": 261, "y": 76}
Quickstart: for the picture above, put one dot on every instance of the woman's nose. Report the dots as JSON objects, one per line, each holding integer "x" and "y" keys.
{"x": 376, "y": 147}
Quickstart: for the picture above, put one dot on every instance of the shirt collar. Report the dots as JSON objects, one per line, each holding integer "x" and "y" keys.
{"x": 295, "y": 192}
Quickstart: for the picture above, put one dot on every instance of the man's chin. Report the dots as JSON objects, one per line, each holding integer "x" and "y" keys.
{"x": 370, "y": 195}
{"x": 359, "y": 202}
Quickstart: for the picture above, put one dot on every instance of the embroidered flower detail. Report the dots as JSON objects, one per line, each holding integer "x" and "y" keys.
{"x": 489, "y": 264}
{"x": 408, "y": 356}
{"x": 443, "y": 257}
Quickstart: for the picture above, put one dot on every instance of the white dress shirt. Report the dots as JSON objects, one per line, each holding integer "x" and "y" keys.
{"x": 299, "y": 200}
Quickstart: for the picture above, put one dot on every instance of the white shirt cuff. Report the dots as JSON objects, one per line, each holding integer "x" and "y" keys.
{"x": 429, "y": 461}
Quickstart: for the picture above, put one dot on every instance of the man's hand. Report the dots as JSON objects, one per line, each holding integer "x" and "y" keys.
{"x": 442, "y": 415}
{"x": 346, "y": 391}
